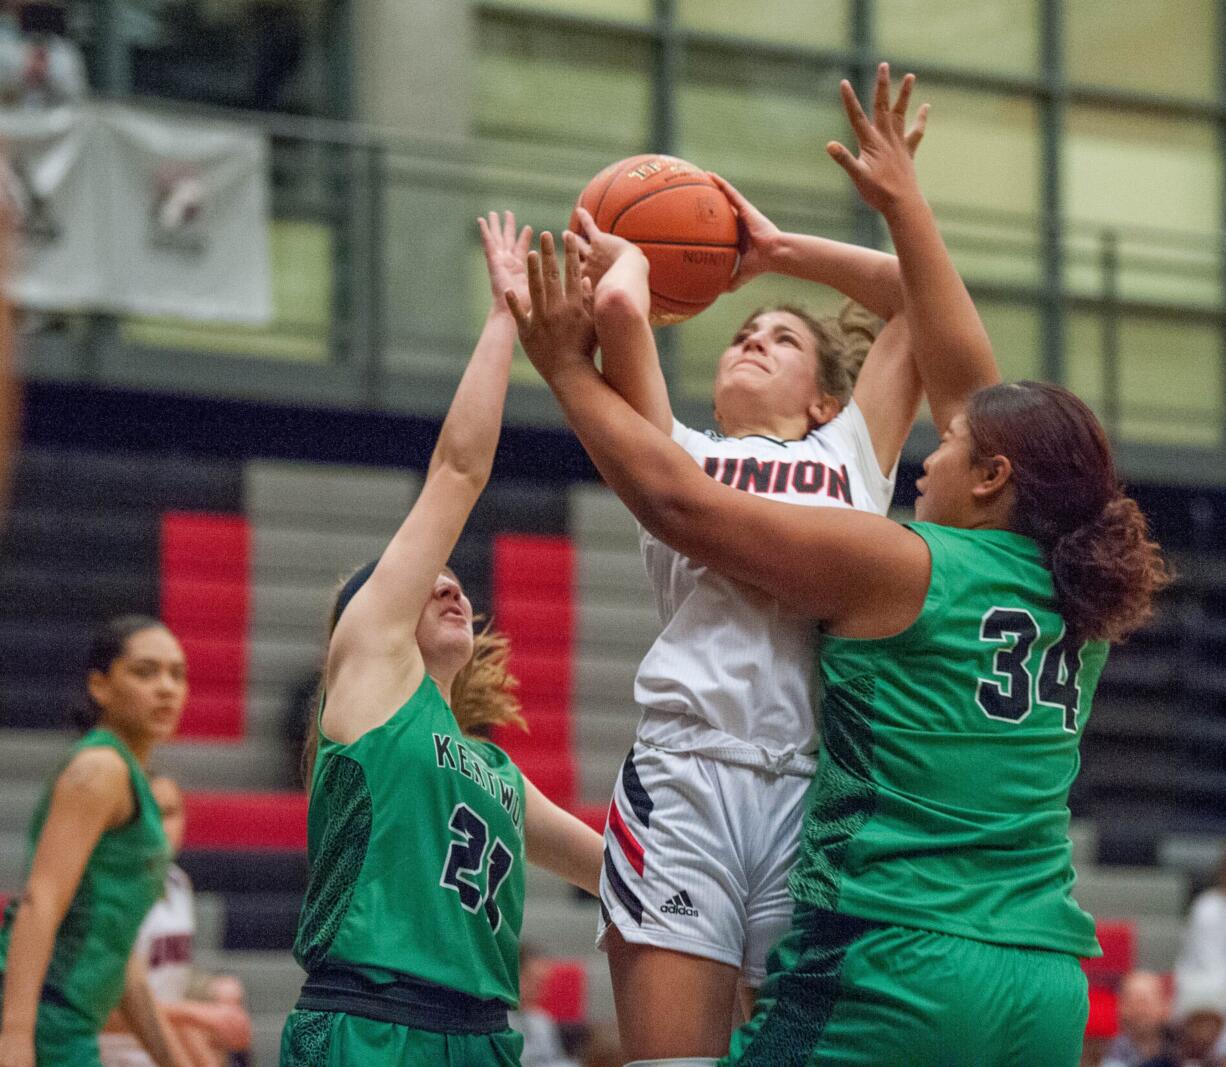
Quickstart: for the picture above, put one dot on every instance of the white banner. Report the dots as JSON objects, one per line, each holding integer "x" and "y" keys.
{"x": 187, "y": 210}
{"x": 139, "y": 212}
{"x": 51, "y": 178}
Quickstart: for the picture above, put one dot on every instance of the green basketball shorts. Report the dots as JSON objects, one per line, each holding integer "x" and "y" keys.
{"x": 852, "y": 993}
{"x": 336, "y": 1039}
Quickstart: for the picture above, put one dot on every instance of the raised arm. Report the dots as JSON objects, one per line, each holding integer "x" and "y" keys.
{"x": 950, "y": 345}
{"x": 874, "y": 573}
{"x": 559, "y": 842}
{"x": 888, "y": 392}
{"x": 865, "y": 275}
{"x": 375, "y": 635}
{"x": 621, "y": 302}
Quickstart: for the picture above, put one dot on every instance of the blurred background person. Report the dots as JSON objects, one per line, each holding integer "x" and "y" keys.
{"x": 1204, "y": 939}
{"x": 210, "y": 1026}
{"x": 98, "y": 859}
{"x": 1144, "y": 1018}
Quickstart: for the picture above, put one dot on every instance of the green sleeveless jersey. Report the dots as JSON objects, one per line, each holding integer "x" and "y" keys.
{"x": 941, "y": 797}
{"x": 122, "y": 881}
{"x": 415, "y": 840}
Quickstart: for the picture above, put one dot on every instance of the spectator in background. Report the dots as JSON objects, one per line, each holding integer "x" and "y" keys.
{"x": 1144, "y": 1017}
{"x": 1200, "y": 1012}
{"x": 542, "y": 1039}
{"x": 1204, "y": 942}
{"x": 39, "y": 65}
{"x": 210, "y": 1027}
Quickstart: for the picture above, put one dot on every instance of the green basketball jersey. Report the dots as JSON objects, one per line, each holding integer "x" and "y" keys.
{"x": 122, "y": 881}
{"x": 415, "y": 839}
{"x": 941, "y": 797}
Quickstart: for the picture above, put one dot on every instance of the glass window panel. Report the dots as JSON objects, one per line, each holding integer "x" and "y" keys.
{"x": 1167, "y": 47}
{"x": 1000, "y": 36}
{"x": 629, "y": 10}
{"x": 979, "y": 167}
{"x": 1083, "y": 360}
{"x": 1170, "y": 381}
{"x": 1159, "y": 178}
{"x": 567, "y": 87}
{"x": 755, "y": 121}
{"x": 1016, "y": 338}
{"x": 803, "y": 23}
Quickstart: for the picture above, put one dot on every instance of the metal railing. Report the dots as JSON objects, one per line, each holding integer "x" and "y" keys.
{"x": 374, "y": 233}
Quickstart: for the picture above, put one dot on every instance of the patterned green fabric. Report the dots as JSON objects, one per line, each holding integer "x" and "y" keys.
{"x": 122, "y": 880}
{"x": 941, "y": 798}
{"x": 341, "y": 852}
{"x": 415, "y": 839}
{"x": 843, "y": 793}
{"x": 845, "y": 992}
{"x": 335, "y": 1039}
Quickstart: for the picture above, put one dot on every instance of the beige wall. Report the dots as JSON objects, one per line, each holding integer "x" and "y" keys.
{"x": 412, "y": 69}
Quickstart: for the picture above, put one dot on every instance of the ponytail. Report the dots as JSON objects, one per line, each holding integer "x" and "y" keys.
{"x": 1105, "y": 567}
{"x": 1107, "y": 572}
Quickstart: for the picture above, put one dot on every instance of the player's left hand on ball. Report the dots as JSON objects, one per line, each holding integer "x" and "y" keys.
{"x": 556, "y": 330}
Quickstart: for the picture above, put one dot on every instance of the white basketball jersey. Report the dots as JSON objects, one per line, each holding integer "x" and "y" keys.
{"x": 165, "y": 941}
{"x": 729, "y": 675}
{"x": 166, "y": 938}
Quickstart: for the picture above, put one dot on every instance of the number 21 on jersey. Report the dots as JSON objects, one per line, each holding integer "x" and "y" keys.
{"x": 465, "y": 859}
{"x": 1014, "y": 688}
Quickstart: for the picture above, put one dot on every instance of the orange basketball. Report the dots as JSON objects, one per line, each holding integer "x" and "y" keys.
{"x": 680, "y": 219}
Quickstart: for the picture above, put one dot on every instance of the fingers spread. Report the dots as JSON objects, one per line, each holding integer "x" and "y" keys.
{"x": 508, "y": 228}
{"x": 573, "y": 284}
{"x": 549, "y": 268}
{"x": 904, "y": 97}
{"x": 522, "y": 320}
{"x": 881, "y": 94}
{"x": 524, "y": 242}
{"x": 916, "y": 133}
{"x": 536, "y": 282}
{"x": 855, "y": 113}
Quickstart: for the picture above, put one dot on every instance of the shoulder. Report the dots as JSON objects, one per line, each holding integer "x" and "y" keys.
{"x": 96, "y": 777}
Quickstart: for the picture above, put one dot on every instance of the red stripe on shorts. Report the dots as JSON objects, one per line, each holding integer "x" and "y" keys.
{"x": 634, "y": 852}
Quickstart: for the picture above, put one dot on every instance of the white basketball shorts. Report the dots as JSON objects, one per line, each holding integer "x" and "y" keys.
{"x": 697, "y": 856}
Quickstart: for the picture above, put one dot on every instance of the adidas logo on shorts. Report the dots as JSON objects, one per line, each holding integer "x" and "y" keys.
{"x": 679, "y": 905}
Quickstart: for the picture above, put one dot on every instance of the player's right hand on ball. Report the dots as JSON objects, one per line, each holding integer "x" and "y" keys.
{"x": 557, "y": 330}
{"x": 758, "y": 238}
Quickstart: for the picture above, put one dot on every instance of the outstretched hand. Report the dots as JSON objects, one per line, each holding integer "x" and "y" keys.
{"x": 556, "y": 328}
{"x": 884, "y": 172}
{"x": 506, "y": 255}
{"x": 757, "y": 237}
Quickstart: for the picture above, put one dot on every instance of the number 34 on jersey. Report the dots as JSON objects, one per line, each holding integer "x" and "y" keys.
{"x": 1029, "y": 669}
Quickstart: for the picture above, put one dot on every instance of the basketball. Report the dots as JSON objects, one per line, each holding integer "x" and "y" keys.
{"x": 680, "y": 219}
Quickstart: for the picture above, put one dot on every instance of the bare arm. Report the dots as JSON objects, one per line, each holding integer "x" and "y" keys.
{"x": 875, "y": 573}
{"x": 629, "y": 358}
{"x": 951, "y": 347}
{"x": 865, "y": 275}
{"x": 374, "y": 640}
{"x": 888, "y": 392}
{"x": 91, "y": 796}
{"x": 146, "y": 1020}
{"x": 558, "y": 842}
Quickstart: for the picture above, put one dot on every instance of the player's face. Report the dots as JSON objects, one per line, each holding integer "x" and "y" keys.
{"x": 769, "y": 369}
{"x": 949, "y": 476}
{"x": 445, "y": 629}
{"x": 170, "y": 807}
{"x": 143, "y": 691}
